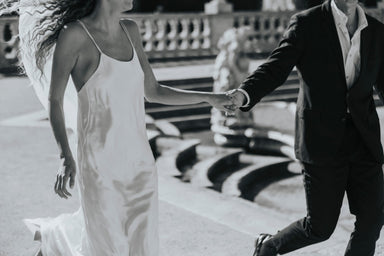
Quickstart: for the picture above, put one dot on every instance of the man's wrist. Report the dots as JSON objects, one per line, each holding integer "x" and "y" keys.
{"x": 246, "y": 97}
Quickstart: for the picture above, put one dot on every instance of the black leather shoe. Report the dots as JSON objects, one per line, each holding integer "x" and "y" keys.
{"x": 259, "y": 241}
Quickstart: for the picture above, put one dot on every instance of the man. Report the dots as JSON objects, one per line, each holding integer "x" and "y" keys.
{"x": 339, "y": 53}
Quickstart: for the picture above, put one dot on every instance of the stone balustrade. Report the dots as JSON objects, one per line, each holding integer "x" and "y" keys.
{"x": 183, "y": 35}
{"x": 8, "y": 41}
{"x": 267, "y": 28}
{"x": 175, "y": 35}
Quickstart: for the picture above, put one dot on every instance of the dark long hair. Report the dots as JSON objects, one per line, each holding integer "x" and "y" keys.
{"x": 55, "y": 14}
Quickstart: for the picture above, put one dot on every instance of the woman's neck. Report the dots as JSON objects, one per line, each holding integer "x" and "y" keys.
{"x": 104, "y": 16}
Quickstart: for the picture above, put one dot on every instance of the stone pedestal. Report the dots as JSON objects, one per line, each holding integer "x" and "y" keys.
{"x": 218, "y": 6}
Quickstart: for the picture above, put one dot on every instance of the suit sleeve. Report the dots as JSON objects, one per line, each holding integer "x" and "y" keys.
{"x": 380, "y": 78}
{"x": 276, "y": 69}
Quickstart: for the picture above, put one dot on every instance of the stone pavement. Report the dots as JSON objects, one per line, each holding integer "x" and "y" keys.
{"x": 193, "y": 221}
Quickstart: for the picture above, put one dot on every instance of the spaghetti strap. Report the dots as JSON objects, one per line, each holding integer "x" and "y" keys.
{"x": 129, "y": 37}
{"x": 90, "y": 36}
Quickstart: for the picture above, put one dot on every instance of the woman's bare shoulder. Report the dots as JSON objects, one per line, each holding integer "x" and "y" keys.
{"x": 72, "y": 36}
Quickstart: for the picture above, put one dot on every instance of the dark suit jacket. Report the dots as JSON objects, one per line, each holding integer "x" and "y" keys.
{"x": 311, "y": 44}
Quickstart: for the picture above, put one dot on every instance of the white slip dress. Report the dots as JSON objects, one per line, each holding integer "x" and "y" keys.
{"x": 117, "y": 176}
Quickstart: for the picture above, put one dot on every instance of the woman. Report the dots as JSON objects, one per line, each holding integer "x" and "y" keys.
{"x": 117, "y": 182}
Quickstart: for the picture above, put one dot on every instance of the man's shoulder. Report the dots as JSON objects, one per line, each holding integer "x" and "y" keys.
{"x": 374, "y": 22}
{"x": 310, "y": 13}
{"x": 309, "y": 16}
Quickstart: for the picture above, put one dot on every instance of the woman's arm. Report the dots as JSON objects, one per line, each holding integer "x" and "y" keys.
{"x": 64, "y": 59}
{"x": 156, "y": 92}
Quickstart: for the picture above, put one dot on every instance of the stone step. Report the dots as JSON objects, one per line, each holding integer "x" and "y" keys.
{"x": 175, "y": 153}
{"x": 291, "y": 97}
{"x": 152, "y": 137}
{"x": 188, "y": 81}
{"x": 167, "y": 129}
{"x": 230, "y": 185}
{"x": 292, "y": 78}
{"x": 254, "y": 182}
{"x": 162, "y": 112}
{"x": 206, "y": 87}
{"x": 203, "y": 173}
{"x": 191, "y": 122}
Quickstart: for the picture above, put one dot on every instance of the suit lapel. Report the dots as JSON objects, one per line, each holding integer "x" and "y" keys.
{"x": 330, "y": 27}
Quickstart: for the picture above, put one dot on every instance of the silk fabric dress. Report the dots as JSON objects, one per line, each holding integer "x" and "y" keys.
{"x": 117, "y": 178}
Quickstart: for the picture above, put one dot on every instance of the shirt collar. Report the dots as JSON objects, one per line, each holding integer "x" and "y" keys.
{"x": 342, "y": 19}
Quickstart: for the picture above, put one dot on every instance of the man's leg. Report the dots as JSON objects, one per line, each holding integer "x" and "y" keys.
{"x": 324, "y": 189}
{"x": 366, "y": 201}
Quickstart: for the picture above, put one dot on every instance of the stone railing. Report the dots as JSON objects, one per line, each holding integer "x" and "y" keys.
{"x": 175, "y": 35}
{"x": 8, "y": 41}
{"x": 267, "y": 27}
{"x": 183, "y": 35}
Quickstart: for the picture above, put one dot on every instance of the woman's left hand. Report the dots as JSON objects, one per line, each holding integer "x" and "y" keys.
{"x": 66, "y": 172}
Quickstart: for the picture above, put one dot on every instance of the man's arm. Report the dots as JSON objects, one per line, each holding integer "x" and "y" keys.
{"x": 277, "y": 68}
{"x": 380, "y": 79}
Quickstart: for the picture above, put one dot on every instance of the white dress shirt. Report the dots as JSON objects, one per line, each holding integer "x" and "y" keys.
{"x": 349, "y": 46}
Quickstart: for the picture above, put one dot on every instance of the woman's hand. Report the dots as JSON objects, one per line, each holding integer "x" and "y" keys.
{"x": 66, "y": 171}
{"x": 223, "y": 102}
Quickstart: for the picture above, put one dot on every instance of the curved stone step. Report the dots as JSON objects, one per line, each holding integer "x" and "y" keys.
{"x": 167, "y": 128}
{"x": 191, "y": 123}
{"x": 270, "y": 146}
{"x": 152, "y": 137}
{"x": 273, "y": 135}
{"x": 231, "y": 184}
{"x": 254, "y": 182}
{"x": 162, "y": 126}
{"x": 150, "y": 123}
{"x": 174, "y": 153}
{"x": 176, "y": 82}
{"x": 292, "y": 76}
{"x": 204, "y": 172}
{"x": 258, "y": 140}
{"x": 178, "y": 111}
{"x": 291, "y": 97}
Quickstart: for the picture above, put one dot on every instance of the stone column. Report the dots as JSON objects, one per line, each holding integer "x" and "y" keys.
{"x": 218, "y": 6}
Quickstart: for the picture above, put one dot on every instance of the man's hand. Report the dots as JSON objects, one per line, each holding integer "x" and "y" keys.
{"x": 238, "y": 98}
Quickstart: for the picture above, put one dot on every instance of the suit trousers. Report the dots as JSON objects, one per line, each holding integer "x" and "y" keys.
{"x": 353, "y": 172}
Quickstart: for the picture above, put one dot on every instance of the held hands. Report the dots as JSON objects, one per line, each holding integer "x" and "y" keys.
{"x": 229, "y": 101}
{"x": 66, "y": 171}
{"x": 237, "y": 97}
{"x": 222, "y": 101}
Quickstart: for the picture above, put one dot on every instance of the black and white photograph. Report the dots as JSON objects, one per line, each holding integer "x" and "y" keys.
{"x": 191, "y": 127}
